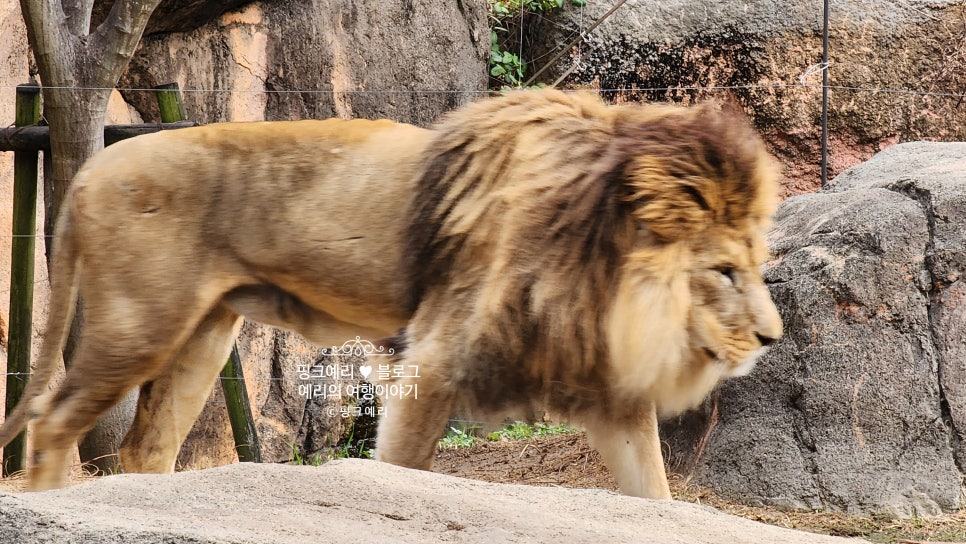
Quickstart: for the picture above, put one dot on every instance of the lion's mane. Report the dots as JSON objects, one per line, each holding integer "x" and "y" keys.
{"x": 528, "y": 208}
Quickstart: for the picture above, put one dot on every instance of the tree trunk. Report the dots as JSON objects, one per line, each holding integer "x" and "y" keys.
{"x": 78, "y": 69}
{"x": 76, "y": 134}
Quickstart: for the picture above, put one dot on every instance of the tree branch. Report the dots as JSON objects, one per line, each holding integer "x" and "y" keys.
{"x": 117, "y": 37}
{"x": 48, "y": 35}
{"x": 78, "y": 16}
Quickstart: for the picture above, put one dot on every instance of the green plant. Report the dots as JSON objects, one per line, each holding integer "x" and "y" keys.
{"x": 504, "y": 65}
{"x": 523, "y": 431}
{"x": 297, "y": 458}
{"x": 464, "y": 436}
{"x": 507, "y": 68}
{"x": 352, "y": 447}
{"x": 458, "y": 438}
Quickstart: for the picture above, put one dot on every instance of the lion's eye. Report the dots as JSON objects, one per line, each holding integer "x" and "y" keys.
{"x": 728, "y": 273}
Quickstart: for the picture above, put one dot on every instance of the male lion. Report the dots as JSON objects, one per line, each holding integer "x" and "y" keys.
{"x": 539, "y": 248}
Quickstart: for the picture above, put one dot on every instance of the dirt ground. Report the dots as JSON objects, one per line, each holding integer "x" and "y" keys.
{"x": 568, "y": 461}
{"x": 558, "y": 461}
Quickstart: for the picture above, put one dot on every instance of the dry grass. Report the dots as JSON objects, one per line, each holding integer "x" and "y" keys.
{"x": 568, "y": 461}
{"x": 17, "y": 482}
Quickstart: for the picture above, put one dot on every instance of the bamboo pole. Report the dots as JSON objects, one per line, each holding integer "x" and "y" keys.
{"x": 25, "y": 182}
{"x": 232, "y": 378}
{"x": 240, "y": 410}
{"x": 170, "y": 102}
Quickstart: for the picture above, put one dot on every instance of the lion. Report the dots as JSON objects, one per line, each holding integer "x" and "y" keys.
{"x": 539, "y": 248}
{"x": 599, "y": 261}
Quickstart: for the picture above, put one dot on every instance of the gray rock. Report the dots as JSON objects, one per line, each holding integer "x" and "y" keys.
{"x": 860, "y": 407}
{"x": 408, "y": 60}
{"x": 765, "y": 56}
{"x": 358, "y": 501}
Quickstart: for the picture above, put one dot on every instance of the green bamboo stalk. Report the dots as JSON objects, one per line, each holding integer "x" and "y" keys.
{"x": 239, "y": 410}
{"x": 170, "y": 103}
{"x": 25, "y": 183}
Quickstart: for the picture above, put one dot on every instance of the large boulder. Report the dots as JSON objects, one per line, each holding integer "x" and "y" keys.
{"x": 359, "y": 501}
{"x": 896, "y": 68}
{"x": 861, "y": 407}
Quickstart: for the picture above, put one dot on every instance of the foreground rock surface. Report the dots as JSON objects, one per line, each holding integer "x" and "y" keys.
{"x": 861, "y": 406}
{"x": 358, "y": 501}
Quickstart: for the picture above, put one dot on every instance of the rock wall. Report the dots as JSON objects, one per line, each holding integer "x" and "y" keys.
{"x": 764, "y": 54}
{"x": 407, "y": 60}
{"x": 861, "y": 406}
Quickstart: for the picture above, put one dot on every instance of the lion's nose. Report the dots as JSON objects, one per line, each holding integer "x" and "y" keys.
{"x": 765, "y": 340}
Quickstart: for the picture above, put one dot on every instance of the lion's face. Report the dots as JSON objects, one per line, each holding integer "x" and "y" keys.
{"x": 733, "y": 317}
{"x": 691, "y": 308}
{"x": 689, "y": 315}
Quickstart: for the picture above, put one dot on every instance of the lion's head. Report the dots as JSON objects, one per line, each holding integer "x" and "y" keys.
{"x": 690, "y": 297}
{"x": 588, "y": 256}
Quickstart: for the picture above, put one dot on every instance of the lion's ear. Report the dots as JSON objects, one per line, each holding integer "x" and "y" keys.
{"x": 672, "y": 204}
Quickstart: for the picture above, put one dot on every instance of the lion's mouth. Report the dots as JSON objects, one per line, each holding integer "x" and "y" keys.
{"x": 731, "y": 368}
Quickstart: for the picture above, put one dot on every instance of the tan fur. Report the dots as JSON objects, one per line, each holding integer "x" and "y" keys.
{"x": 170, "y": 237}
{"x": 540, "y": 249}
{"x": 599, "y": 261}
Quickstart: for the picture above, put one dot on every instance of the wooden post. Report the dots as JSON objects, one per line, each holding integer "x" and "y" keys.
{"x": 25, "y": 184}
{"x": 37, "y": 138}
{"x": 232, "y": 379}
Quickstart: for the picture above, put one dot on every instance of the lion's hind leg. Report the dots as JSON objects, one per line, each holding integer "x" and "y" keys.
{"x": 128, "y": 337}
{"x": 631, "y": 448}
{"x": 170, "y": 403}
{"x": 101, "y": 374}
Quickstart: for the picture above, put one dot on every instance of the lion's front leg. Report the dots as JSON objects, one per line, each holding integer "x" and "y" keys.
{"x": 411, "y": 426}
{"x": 631, "y": 449}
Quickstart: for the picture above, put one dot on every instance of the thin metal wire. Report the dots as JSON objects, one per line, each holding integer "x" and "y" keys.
{"x": 265, "y": 91}
{"x": 750, "y": 86}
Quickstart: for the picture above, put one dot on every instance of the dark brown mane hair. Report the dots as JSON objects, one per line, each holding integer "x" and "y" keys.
{"x": 528, "y": 205}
